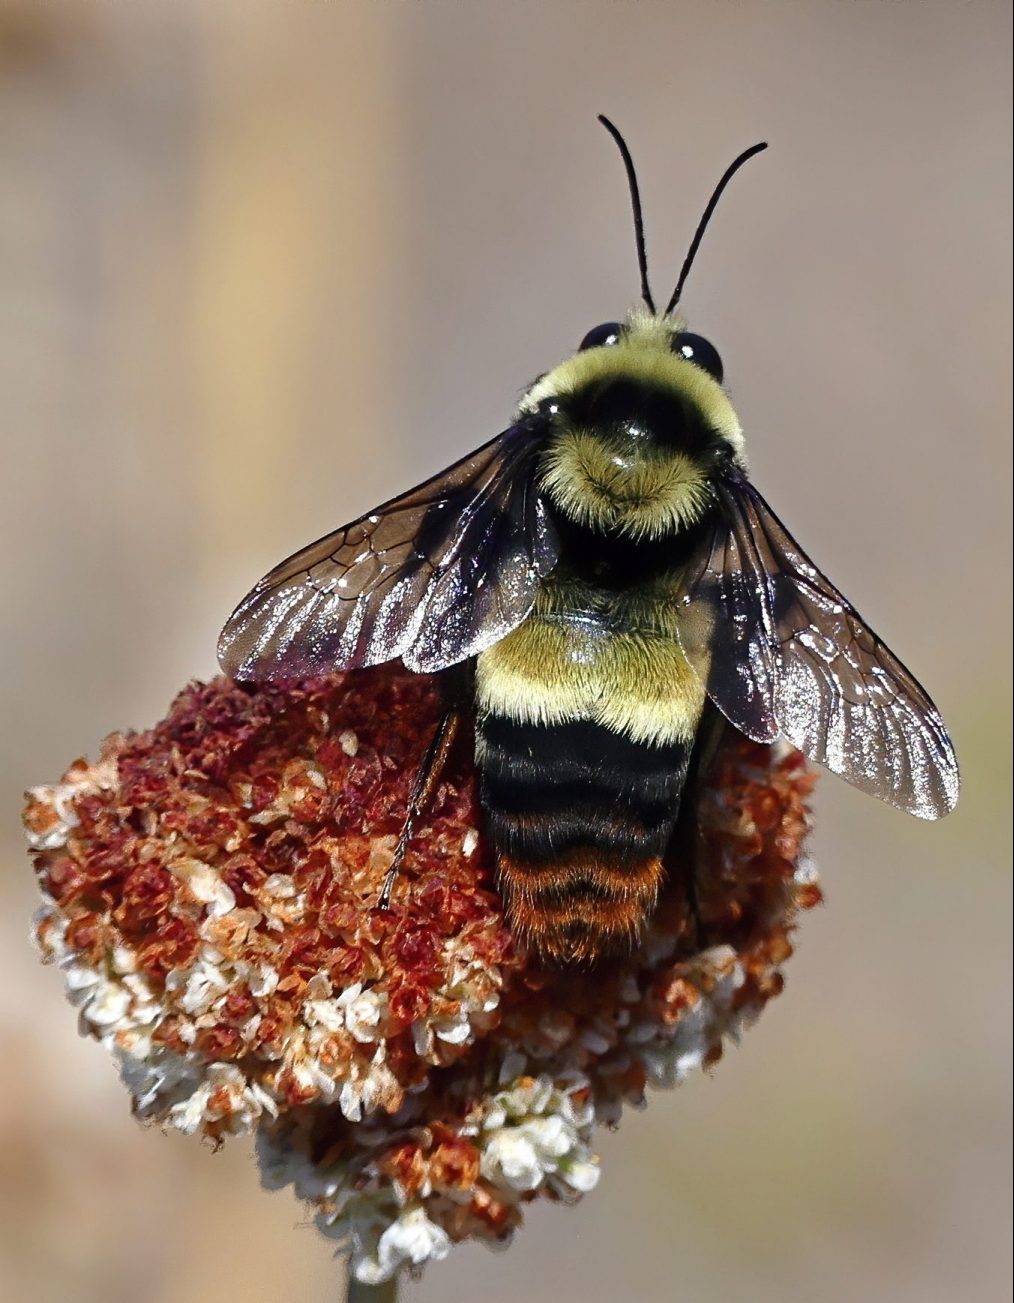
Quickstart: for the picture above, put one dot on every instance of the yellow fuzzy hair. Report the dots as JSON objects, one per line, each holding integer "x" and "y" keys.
{"x": 646, "y": 494}
{"x": 626, "y": 672}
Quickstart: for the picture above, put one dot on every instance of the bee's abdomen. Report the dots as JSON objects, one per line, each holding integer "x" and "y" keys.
{"x": 591, "y": 907}
{"x": 579, "y": 817}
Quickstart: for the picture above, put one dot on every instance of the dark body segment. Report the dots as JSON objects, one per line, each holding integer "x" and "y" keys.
{"x": 580, "y": 817}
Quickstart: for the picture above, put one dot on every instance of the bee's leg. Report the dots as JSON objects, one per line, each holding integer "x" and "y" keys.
{"x": 681, "y": 864}
{"x": 683, "y": 855}
{"x": 694, "y": 904}
{"x": 455, "y": 685}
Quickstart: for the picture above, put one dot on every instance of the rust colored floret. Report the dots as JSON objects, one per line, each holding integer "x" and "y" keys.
{"x": 210, "y": 888}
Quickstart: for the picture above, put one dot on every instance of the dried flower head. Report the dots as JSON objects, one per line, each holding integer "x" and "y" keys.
{"x": 210, "y": 890}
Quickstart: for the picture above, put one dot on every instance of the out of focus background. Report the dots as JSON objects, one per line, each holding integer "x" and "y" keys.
{"x": 264, "y": 264}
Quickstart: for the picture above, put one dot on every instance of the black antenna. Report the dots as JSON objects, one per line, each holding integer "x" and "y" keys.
{"x": 695, "y": 243}
{"x": 635, "y": 200}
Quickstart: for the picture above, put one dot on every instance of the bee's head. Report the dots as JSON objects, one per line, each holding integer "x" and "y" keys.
{"x": 639, "y": 426}
{"x": 648, "y": 382}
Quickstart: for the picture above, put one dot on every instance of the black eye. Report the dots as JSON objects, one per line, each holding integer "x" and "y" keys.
{"x": 601, "y": 336}
{"x": 696, "y": 349}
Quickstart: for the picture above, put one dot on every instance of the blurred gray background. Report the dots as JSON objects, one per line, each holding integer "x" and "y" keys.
{"x": 264, "y": 264}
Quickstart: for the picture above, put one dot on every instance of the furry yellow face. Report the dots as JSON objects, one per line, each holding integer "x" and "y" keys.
{"x": 640, "y": 424}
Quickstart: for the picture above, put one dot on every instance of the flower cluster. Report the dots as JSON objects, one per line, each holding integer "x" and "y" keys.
{"x": 210, "y": 890}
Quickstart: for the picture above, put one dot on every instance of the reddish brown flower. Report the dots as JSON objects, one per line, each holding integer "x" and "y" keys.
{"x": 210, "y": 889}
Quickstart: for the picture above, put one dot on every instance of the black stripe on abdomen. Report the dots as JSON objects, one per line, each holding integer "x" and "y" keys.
{"x": 579, "y": 818}
{"x": 548, "y": 789}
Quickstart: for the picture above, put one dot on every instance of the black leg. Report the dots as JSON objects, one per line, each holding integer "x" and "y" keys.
{"x": 694, "y": 903}
{"x": 430, "y": 772}
{"x": 680, "y": 861}
{"x": 684, "y": 851}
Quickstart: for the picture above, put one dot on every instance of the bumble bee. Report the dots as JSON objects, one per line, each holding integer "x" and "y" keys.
{"x": 614, "y": 588}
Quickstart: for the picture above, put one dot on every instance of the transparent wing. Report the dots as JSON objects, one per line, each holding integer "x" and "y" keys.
{"x": 783, "y": 652}
{"x": 434, "y": 576}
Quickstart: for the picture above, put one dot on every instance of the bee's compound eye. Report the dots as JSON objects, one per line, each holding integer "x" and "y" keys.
{"x": 696, "y": 349}
{"x": 601, "y": 336}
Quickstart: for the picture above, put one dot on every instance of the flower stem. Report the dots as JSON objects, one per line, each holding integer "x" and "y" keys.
{"x": 386, "y": 1292}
